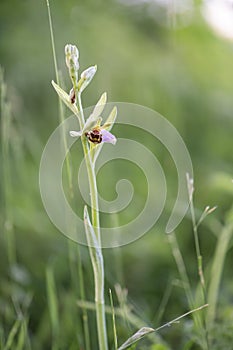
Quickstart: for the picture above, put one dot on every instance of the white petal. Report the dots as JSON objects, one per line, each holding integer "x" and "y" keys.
{"x": 75, "y": 133}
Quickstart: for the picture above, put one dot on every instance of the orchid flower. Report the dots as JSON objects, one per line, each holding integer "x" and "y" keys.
{"x": 97, "y": 135}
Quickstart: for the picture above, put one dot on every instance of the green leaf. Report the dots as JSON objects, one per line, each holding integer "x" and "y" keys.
{"x": 66, "y": 99}
{"x": 136, "y": 337}
{"x": 90, "y": 232}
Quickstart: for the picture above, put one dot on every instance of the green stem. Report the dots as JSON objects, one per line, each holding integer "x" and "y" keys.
{"x": 199, "y": 267}
{"x": 69, "y": 174}
{"x": 98, "y": 269}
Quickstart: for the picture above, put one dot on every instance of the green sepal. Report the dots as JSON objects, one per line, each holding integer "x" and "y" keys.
{"x": 66, "y": 99}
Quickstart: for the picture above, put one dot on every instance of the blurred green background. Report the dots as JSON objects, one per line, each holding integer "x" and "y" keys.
{"x": 175, "y": 65}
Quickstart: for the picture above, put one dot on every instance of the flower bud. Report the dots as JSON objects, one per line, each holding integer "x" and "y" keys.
{"x": 86, "y": 77}
{"x": 89, "y": 73}
{"x": 72, "y": 56}
{"x": 72, "y": 96}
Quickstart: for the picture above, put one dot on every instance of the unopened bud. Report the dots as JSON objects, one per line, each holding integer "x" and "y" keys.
{"x": 72, "y": 96}
{"x": 86, "y": 77}
{"x": 72, "y": 56}
{"x": 89, "y": 73}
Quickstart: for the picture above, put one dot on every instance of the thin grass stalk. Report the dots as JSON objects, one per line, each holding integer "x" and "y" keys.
{"x": 70, "y": 182}
{"x": 97, "y": 269}
{"x": 53, "y": 306}
{"x": 163, "y": 304}
{"x": 61, "y": 110}
{"x": 132, "y": 319}
{"x": 118, "y": 262}
{"x": 12, "y": 335}
{"x": 216, "y": 271}
{"x": 198, "y": 250}
{"x": 181, "y": 268}
{"x": 184, "y": 277}
{"x": 23, "y": 338}
{"x": 8, "y": 227}
{"x": 198, "y": 255}
{"x": 113, "y": 320}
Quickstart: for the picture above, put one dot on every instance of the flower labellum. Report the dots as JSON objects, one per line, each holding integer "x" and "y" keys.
{"x": 99, "y": 135}
{"x": 96, "y": 136}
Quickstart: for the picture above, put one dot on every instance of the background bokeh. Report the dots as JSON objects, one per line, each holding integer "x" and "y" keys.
{"x": 147, "y": 54}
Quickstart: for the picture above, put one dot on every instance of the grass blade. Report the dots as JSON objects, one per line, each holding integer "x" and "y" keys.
{"x": 216, "y": 271}
{"x": 12, "y": 335}
{"x": 6, "y": 117}
{"x": 113, "y": 320}
{"x": 141, "y": 333}
{"x": 53, "y": 305}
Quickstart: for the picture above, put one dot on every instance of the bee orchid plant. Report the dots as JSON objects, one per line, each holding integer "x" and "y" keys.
{"x": 93, "y": 134}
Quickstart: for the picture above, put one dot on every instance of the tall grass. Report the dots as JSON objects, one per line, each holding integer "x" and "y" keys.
{"x": 6, "y": 133}
{"x": 204, "y": 323}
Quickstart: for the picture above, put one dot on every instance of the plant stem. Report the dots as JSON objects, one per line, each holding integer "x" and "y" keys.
{"x": 98, "y": 269}
{"x": 199, "y": 266}
{"x": 69, "y": 174}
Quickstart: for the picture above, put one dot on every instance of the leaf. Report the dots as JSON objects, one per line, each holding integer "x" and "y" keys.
{"x": 66, "y": 99}
{"x": 136, "y": 337}
{"x": 91, "y": 236}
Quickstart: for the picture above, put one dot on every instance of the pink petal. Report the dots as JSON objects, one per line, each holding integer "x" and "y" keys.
{"x": 108, "y": 137}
